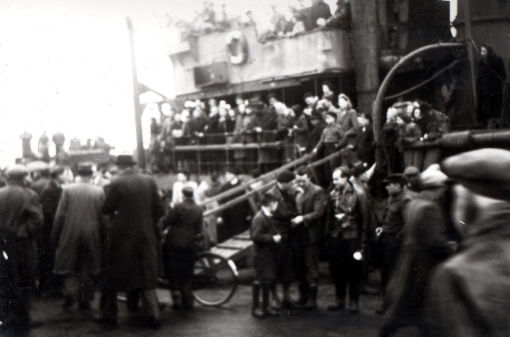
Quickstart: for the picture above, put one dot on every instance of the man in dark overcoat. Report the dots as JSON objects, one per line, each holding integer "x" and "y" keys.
{"x": 183, "y": 226}
{"x": 311, "y": 203}
{"x": 424, "y": 246}
{"x": 132, "y": 240}
{"x": 21, "y": 220}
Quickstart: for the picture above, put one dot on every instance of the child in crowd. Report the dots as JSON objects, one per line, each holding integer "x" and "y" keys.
{"x": 266, "y": 239}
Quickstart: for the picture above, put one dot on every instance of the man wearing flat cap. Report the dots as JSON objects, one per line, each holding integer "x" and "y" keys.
{"x": 469, "y": 291}
{"x": 286, "y": 210}
{"x": 77, "y": 233}
{"x": 183, "y": 227}
{"x": 21, "y": 220}
{"x": 389, "y": 233}
{"x": 131, "y": 254}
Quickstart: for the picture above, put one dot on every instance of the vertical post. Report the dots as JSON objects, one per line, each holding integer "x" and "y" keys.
{"x": 365, "y": 51}
{"x": 469, "y": 47}
{"x": 136, "y": 101}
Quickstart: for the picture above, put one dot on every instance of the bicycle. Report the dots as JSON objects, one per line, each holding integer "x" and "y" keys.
{"x": 215, "y": 279}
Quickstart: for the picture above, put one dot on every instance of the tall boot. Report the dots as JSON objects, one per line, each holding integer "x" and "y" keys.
{"x": 256, "y": 310}
{"x": 311, "y": 303}
{"x": 187, "y": 296}
{"x": 266, "y": 308}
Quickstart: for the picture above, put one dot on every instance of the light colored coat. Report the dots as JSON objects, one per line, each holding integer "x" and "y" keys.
{"x": 77, "y": 228}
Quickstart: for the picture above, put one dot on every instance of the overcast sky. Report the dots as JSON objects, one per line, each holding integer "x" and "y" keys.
{"x": 65, "y": 64}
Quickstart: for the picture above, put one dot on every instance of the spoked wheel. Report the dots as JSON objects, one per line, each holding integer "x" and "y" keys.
{"x": 214, "y": 279}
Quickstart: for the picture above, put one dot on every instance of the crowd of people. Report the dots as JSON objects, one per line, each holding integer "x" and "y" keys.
{"x": 428, "y": 238}
{"x": 253, "y": 120}
{"x": 440, "y": 241}
{"x": 298, "y": 18}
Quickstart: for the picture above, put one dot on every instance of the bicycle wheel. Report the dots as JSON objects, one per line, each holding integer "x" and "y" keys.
{"x": 214, "y": 279}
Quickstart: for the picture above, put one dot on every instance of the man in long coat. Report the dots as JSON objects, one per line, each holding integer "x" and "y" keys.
{"x": 77, "y": 236}
{"x": 424, "y": 246}
{"x": 20, "y": 221}
{"x": 132, "y": 240}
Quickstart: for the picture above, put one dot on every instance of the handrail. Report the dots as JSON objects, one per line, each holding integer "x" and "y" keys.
{"x": 265, "y": 176}
{"x": 247, "y": 195}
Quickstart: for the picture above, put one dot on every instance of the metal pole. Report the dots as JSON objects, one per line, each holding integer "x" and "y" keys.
{"x": 469, "y": 46}
{"x": 136, "y": 99}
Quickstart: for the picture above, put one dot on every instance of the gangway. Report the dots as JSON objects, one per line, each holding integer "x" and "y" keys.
{"x": 239, "y": 246}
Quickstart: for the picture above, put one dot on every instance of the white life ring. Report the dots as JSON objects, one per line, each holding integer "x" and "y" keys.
{"x": 237, "y": 47}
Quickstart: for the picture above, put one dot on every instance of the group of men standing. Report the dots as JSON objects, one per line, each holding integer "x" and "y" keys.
{"x": 87, "y": 235}
{"x": 296, "y": 218}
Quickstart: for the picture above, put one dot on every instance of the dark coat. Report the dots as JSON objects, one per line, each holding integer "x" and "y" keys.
{"x": 184, "y": 224}
{"x": 262, "y": 231}
{"x": 286, "y": 209}
{"x": 78, "y": 227}
{"x": 132, "y": 237}
{"x": 20, "y": 212}
{"x": 50, "y": 197}
{"x": 39, "y": 185}
{"x": 311, "y": 204}
{"x": 469, "y": 292}
{"x": 21, "y": 220}
{"x": 424, "y": 246}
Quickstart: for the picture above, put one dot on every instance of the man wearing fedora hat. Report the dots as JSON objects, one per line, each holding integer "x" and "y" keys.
{"x": 77, "y": 236}
{"x": 131, "y": 253}
{"x": 20, "y": 221}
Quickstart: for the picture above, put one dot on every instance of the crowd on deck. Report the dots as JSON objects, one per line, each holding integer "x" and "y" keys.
{"x": 323, "y": 125}
{"x": 297, "y": 19}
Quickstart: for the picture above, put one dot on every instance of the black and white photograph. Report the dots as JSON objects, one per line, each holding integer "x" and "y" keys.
{"x": 254, "y": 168}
